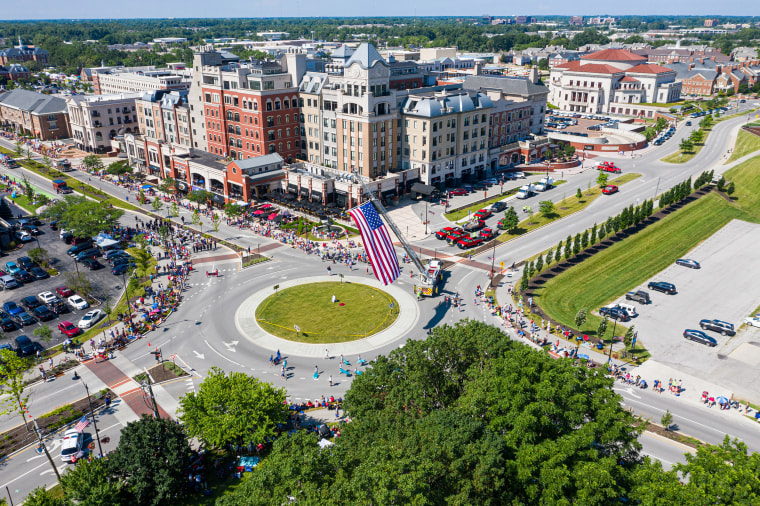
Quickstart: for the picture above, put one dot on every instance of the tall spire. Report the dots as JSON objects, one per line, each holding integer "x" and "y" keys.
{"x": 19, "y": 41}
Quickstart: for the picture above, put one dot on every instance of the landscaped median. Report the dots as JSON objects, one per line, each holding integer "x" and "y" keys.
{"x": 746, "y": 143}
{"x": 76, "y": 185}
{"x": 594, "y": 279}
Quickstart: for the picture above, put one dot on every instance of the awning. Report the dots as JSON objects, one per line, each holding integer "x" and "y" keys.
{"x": 423, "y": 189}
{"x": 304, "y": 191}
{"x": 292, "y": 188}
{"x": 219, "y": 199}
{"x": 316, "y": 194}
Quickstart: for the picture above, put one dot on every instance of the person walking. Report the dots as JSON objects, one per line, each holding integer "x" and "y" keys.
{"x": 327, "y": 354}
{"x": 331, "y": 380}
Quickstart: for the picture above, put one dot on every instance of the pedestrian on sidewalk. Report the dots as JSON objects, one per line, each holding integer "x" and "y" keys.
{"x": 331, "y": 380}
{"x": 327, "y": 354}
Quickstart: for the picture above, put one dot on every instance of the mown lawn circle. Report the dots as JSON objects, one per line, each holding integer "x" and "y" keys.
{"x": 359, "y": 311}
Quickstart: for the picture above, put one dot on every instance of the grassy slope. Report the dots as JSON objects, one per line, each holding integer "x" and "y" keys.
{"x": 620, "y": 268}
{"x": 746, "y": 143}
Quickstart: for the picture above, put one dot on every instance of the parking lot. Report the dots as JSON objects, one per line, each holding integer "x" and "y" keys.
{"x": 104, "y": 284}
{"x": 724, "y": 288}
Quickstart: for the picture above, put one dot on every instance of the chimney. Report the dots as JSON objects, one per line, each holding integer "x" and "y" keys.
{"x": 478, "y": 68}
{"x": 691, "y": 66}
{"x": 533, "y": 75}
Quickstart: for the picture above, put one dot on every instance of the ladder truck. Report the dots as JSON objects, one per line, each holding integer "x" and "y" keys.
{"x": 430, "y": 279}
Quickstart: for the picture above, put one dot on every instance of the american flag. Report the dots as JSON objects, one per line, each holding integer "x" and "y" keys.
{"x": 377, "y": 242}
{"x": 83, "y": 422}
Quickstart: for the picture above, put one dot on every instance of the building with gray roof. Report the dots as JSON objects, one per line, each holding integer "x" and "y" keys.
{"x": 43, "y": 116}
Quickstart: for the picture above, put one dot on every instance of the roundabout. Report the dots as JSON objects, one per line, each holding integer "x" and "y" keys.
{"x": 327, "y": 312}
{"x": 372, "y": 316}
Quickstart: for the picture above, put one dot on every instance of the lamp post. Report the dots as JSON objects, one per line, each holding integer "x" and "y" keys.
{"x": 612, "y": 339}
{"x": 126, "y": 291}
{"x": 92, "y": 415}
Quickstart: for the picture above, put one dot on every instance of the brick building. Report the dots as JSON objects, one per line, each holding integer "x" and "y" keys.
{"x": 41, "y": 115}
{"x": 22, "y": 53}
{"x": 242, "y": 110}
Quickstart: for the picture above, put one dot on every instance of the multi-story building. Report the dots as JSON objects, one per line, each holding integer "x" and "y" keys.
{"x": 445, "y": 135}
{"x": 576, "y": 20}
{"x": 13, "y": 72}
{"x": 350, "y": 115}
{"x": 242, "y": 110}
{"x": 97, "y": 119}
{"x": 110, "y": 82}
{"x": 43, "y": 116}
{"x": 22, "y": 53}
{"x": 612, "y": 81}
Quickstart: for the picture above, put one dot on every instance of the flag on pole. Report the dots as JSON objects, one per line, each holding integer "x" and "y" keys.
{"x": 377, "y": 242}
{"x": 83, "y": 422}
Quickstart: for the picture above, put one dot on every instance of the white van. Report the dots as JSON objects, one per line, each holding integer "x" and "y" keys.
{"x": 7, "y": 282}
{"x": 629, "y": 308}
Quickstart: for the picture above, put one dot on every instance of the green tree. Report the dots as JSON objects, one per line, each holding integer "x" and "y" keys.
{"x": 602, "y": 178}
{"x": 510, "y": 220}
{"x": 46, "y": 160}
{"x": 602, "y": 329}
{"x": 539, "y": 263}
{"x": 602, "y": 231}
{"x": 568, "y": 249}
{"x": 216, "y": 221}
{"x": 28, "y": 188}
{"x": 722, "y": 183}
{"x": 731, "y": 188}
{"x": 119, "y": 168}
{"x": 168, "y": 185}
{"x": 39, "y": 256}
{"x": 584, "y": 239}
{"x": 174, "y": 209}
{"x": 628, "y": 337}
{"x": 92, "y": 163}
{"x": 89, "y": 482}
{"x": 593, "y": 234}
{"x": 579, "y": 194}
{"x": 580, "y": 318}
{"x": 44, "y": 333}
{"x": 232, "y": 210}
{"x": 40, "y": 496}
{"x": 200, "y": 197}
{"x": 666, "y": 420}
{"x": 156, "y": 204}
{"x": 196, "y": 220}
{"x": 577, "y": 244}
{"x": 546, "y": 208}
{"x": 558, "y": 252}
{"x": 549, "y": 257}
{"x": 78, "y": 282}
{"x": 12, "y": 383}
{"x": 697, "y": 136}
{"x": 686, "y": 146}
{"x": 143, "y": 261}
{"x": 19, "y": 150}
{"x": 531, "y": 269}
{"x": 235, "y": 408}
{"x": 85, "y": 218}
{"x": 5, "y": 210}
{"x": 151, "y": 459}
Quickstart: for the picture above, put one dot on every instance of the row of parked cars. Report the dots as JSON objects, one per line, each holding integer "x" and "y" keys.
{"x": 485, "y": 184}
{"x": 664, "y": 136}
{"x": 86, "y": 252}
{"x": 23, "y": 270}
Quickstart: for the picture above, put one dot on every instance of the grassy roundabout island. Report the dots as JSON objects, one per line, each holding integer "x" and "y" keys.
{"x": 359, "y": 311}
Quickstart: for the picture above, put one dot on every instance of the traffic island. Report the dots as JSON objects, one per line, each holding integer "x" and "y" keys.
{"x": 327, "y": 312}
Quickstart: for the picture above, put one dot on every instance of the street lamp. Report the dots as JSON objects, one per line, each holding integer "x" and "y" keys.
{"x": 92, "y": 415}
{"x": 126, "y": 291}
{"x": 612, "y": 339}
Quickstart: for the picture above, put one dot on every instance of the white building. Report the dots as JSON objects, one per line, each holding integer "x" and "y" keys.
{"x": 97, "y": 119}
{"x": 612, "y": 81}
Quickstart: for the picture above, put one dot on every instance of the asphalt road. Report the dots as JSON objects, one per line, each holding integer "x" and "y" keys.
{"x": 202, "y": 333}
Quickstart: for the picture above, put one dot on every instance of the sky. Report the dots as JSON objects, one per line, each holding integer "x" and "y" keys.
{"x": 91, "y": 9}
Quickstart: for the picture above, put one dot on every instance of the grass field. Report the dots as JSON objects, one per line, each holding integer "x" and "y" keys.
{"x": 607, "y": 275}
{"x": 565, "y": 207}
{"x": 746, "y": 143}
{"x": 365, "y": 311}
{"x": 677, "y": 156}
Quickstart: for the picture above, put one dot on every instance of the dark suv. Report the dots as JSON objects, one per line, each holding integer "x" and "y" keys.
{"x": 615, "y": 313}
{"x": 662, "y": 286}
{"x": 724, "y": 328}
{"x": 640, "y": 296}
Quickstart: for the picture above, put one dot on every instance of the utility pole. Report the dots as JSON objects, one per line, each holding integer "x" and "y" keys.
{"x": 148, "y": 384}
{"x": 493, "y": 261}
{"x": 41, "y": 442}
{"x": 92, "y": 415}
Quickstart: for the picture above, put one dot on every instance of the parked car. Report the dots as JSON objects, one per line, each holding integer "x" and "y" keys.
{"x": 662, "y": 286}
{"x": 610, "y": 189}
{"x": 8, "y": 325}
{"x": 90, "y": 319}
{"x": 57, "y": 306}
{"x": 639, "y": 296}
{"x": 73, "y": 443}
{"x": 30, "y": 302}
{"x": 686, "y": 262}
{"x": 723, "y": 328}
{"x": 46, "y": 297}
{"x": 114, "y": 253}
{"x": 122, "y": 268}
{"x": 480, "y": 185}
{"x": 88, "y": 253}
{"x": 24, "y": 236}
{"x": 92, "y": 264}
{"x": 69, "y": 329}
{"x": 23, "y": 277}
{"x": 615, "y": 313}
{"x": 11, "y": 268}
{"x": 483, "y": 214}
{"x": 11, "y": 308}
{"x": 78, "y": 302}
{"x": 43, "y": 313}
{"x": 699, "y": 337}
{"x": 518, "y": 175}
{"x": 23, "y": 319}
{"x": 39, "y": 273}
{"x": 457, "y": 191}
{"x": 26, "y": 263}
{"x": 24, "y": 345}
{"x": 753, "y": 321}
{"x": 64, "y": 291}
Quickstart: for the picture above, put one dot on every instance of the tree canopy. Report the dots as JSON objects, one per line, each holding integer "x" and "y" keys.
{"x": 85, "y": 218}
{"x": 232, "y": 408}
